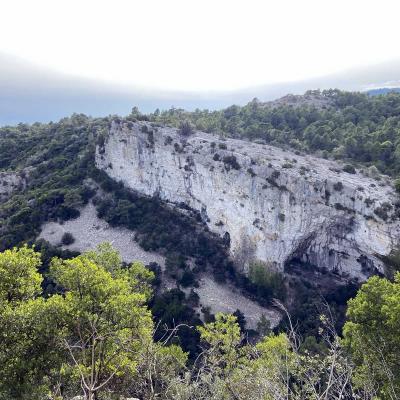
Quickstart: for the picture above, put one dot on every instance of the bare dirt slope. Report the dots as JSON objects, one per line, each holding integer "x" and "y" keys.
{"x": 226, "y": 298}
{"x": 89, "y": 231}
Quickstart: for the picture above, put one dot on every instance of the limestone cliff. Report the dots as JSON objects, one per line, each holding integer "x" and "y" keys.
{"x": 269, "y": 204}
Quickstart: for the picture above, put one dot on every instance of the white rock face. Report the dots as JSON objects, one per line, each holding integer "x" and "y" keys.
{"x": 272, "y": 205}
{"x": 10, "y": 182}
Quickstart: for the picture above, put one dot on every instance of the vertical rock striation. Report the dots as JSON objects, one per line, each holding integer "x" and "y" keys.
{"x": 268, "y": 204}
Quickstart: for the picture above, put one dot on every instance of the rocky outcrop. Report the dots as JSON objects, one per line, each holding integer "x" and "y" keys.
{"x": 11, "y": 182}
{"x": 268, "y": 204}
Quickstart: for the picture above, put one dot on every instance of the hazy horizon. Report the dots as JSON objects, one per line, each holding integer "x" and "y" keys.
{"x": 29, "y": 93}
{"x": 102, "y": 58}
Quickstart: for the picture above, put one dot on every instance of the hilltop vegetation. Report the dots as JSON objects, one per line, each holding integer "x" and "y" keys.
{"x": 348, "y": 126}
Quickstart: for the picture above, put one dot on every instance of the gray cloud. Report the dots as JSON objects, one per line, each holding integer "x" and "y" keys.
{"x": 29, "y": 93}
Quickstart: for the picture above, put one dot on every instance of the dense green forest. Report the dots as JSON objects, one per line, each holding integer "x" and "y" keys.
{"x": 40, "y": 302}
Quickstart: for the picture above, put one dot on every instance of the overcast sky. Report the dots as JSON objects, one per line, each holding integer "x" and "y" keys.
{"x": 203, "y": 44}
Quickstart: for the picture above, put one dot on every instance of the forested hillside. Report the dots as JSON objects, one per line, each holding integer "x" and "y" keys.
{"x": 59, "y": 156}
{"x": 109, "y": 340}
{"x": 332, "y": 123}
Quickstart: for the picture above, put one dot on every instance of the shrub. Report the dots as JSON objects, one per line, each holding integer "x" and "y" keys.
{"x": 193, "y": 299}
{"x": 275, "y": 174}
{"x": 251, "y": 172}
{"x": 144, "y": 128}
{"x": 272, "y": 182}
{"x": 231, "y": 162}
{"x": 338, "y": 186}
{"x": 188, "y": 279}
{"x": 168, "y": 140}
{"x": 222, "y": 146}
{"x": 368, "y": 202}
{"x": 349, "y": 169}
{"x": 372, "y": 171}
{"x": 382, "y": 211}
{"x": 392, "y": 262}
{"x": 340, "y": 207}
{"x": 287, "y": 165}
{"x": 268, "y": 283}
{"x": 178, "y": 149}
{"x": 67, "y": 239}
{"x": 240, "y": 319}
{"x": 101, "y": 141}
{"x": 397, "y": 185}
{"x": 186, "y": 128}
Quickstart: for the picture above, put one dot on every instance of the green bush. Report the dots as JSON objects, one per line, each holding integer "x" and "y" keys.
{"x": 186, "y": 128}
{"x": 338, "y": 186}
{"x": 268, "y": 282}
{"x": 67, "y": 239}
{"x": 397, "y": 185}
{"x": 349, "y": 169}
{"x": 231, "y": 162}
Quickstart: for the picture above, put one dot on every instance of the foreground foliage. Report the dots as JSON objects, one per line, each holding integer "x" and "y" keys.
{"x": 95, "y": 330}
{"x": 373, "y": 335}
{"x": 97, "y": 338}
